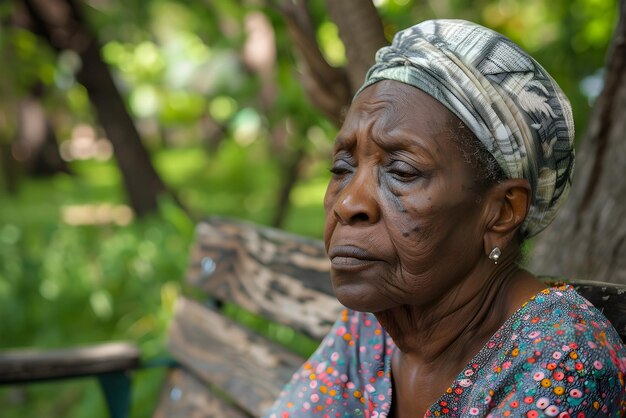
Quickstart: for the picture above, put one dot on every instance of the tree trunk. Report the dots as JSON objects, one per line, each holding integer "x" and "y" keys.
{"x": 290, "y": 175}
{"x": 362, "y": 33}
{"x": 588, "y": 238}
{"x": 328, "y": 87}
{"x": 37, "y": 147}
{"x": 10, "y": 169}
{"x": 360, "y": 28}
{"x": 142, "y": 182}
{"x": 60, "y": 23}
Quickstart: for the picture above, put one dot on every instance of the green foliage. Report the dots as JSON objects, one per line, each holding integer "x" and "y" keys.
{"x": 34, "y": 66}
{"x": 64, "y": 285}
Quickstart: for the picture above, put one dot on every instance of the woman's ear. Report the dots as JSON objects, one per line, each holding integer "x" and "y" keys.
{"x": 508, "y": 203}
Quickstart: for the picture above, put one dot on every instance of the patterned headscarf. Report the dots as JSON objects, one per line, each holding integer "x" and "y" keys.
{"x": 501, "y": 94}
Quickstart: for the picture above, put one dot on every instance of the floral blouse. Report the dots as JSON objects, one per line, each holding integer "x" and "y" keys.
{"x": 557, "y": 356}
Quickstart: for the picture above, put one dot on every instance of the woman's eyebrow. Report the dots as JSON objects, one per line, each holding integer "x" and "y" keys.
{"x": 345, "y": 140}
{"x": 402, "y": 141}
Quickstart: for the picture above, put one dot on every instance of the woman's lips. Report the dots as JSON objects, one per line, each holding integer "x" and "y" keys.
{"x": 349, "y": 257}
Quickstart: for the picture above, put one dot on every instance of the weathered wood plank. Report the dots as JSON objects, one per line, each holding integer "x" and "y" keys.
{"x": 281, "y": 276}
{"x": 185, "y": 396}
{"x": 246, "y": 367}
{"x": 26, "y": 365}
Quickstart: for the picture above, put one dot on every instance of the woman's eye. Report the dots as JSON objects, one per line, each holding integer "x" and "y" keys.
{"x": 340, "y": 167}
{"x": 403, "y": 171}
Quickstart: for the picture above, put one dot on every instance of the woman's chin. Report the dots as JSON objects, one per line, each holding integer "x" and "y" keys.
{"x": 360, "y": 297}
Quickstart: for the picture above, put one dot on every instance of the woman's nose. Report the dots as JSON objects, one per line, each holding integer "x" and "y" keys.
{"x": 357, "y": 202}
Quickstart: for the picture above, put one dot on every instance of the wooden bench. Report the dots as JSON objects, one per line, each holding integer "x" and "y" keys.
{"x": 224, "y": 368}
{"x": 230, "y": 371}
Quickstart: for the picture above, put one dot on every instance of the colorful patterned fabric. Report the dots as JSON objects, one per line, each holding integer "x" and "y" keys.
{"x": 557, "y": 356}
{"x": 503, "y": 96}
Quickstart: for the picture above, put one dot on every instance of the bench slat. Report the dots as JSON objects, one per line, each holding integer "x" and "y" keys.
{"x": 26, "y": 365}
{"x": 185, "y": 396}
{"x": 290, "y": 285}
{"x": 246, "y": 367}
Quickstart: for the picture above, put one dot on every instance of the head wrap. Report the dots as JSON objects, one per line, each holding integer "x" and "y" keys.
{"x": 512, "y": 105}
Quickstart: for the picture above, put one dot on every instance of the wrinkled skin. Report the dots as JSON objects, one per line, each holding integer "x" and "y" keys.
{"x": 408, "y": 232}
{"x": 402, "y": 201}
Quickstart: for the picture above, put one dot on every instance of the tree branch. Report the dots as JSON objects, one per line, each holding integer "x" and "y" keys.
{"x": 361, "y": 31}
{"x": 327, "y": 86}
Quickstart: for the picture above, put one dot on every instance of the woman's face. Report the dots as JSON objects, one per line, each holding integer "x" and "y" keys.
{"x": 403, "y": 222}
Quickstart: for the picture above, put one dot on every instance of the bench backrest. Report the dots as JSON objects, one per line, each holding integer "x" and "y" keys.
{"x": 281, "y": 276}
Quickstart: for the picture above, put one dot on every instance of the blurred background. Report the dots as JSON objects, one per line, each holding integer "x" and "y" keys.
{"x": 124, "y": 122}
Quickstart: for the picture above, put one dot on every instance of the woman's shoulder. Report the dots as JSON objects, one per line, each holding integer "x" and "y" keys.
{"x": 558, "y": 325}
{"x": 558, "y": 354}
{"x": 561, "y": 315}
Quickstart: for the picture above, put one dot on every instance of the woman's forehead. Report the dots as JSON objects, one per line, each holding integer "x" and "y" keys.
{"x": 393, "y": 109}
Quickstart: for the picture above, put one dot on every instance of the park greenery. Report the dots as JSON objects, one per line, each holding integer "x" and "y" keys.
{"x": 214, "y": 91}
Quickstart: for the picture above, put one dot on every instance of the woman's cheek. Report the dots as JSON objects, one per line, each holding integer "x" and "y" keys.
{"x": 414, "y": 241}
{"x": 332, "y": 190}
{"x": 330, "y": 221}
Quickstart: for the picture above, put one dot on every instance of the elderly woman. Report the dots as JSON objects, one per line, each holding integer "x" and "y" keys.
{"x": 456, "y": 149}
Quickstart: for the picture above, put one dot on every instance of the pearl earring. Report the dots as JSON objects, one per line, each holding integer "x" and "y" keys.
{"x": 495, "y": 254}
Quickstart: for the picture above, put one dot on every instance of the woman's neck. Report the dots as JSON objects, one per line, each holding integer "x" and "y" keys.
{"x": 435, "y": 343}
